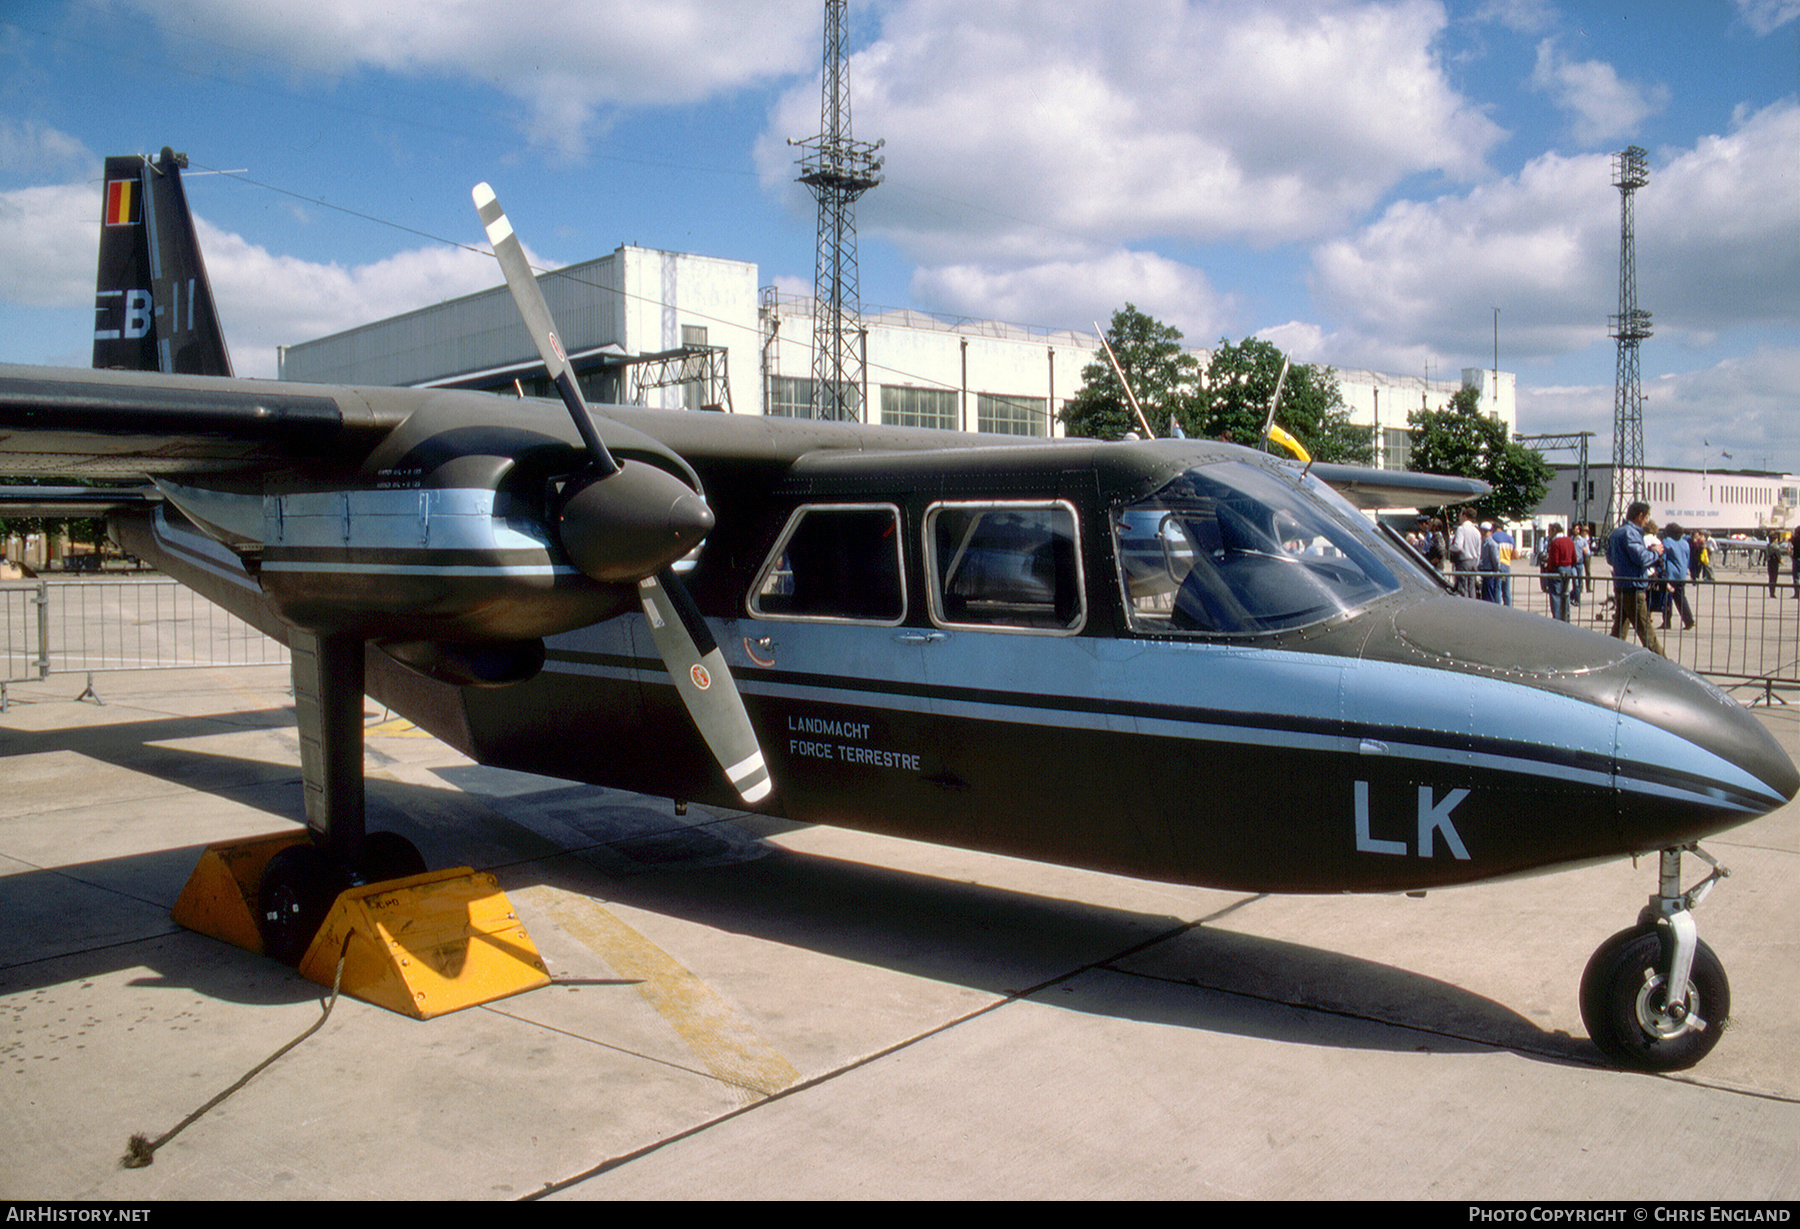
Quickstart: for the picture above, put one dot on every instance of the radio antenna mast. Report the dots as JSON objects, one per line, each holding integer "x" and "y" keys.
{"x": 838, "y": 169}
{"x": 1629, "y": 327}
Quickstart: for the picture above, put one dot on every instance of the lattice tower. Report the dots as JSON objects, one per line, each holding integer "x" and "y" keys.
{"x": 1629, "y": 327}
{"x": 838, "y": 169}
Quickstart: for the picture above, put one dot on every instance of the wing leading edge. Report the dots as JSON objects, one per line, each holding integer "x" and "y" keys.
{"x": 76, "y": 423}
{"x": 1370, "y": 489}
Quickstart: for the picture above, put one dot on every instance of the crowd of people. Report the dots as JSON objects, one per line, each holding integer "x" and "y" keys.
{"x": 1651, "y": 569}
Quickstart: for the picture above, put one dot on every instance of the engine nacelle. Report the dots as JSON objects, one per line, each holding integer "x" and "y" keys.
{"x": 471, "y": 534}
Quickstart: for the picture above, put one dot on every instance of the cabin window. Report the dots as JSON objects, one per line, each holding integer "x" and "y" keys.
{"x": 1234, "y": 548}
{"x": 1005, "y": 566}
{"x": 835, "y": 562}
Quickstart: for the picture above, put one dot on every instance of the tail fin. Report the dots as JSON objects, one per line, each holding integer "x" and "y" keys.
{"x": 153, "y": 307}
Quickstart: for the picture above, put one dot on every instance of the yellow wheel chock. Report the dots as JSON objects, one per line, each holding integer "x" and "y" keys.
{"x": 422, "y": 946}
{"x": 220, "y": 896}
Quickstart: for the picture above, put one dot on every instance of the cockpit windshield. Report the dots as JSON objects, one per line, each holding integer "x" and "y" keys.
{"x": 1234, "y": 548}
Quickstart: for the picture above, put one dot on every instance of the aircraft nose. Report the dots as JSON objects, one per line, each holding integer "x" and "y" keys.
{"x": 1685, "y": 759}
{"x": 1701, "y": 740}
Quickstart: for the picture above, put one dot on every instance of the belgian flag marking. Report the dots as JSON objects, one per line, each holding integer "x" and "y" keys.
{"x": 121, "y": 202}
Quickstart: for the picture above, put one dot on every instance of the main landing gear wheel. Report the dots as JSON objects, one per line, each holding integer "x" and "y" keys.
{"x": 1625, "y": 1005}
{"x": 301, "y": 882}
{"x": 298, "y": 886}
{"x": 388, "y": 855}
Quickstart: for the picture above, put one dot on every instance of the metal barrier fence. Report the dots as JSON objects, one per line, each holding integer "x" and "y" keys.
{"x": 1746, "y": 633}
{"x": 139, "y": 623}
{"x": 23, "y": 615}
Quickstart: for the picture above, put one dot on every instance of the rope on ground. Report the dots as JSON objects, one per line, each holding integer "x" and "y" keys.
{"x": 140, "y": 1151}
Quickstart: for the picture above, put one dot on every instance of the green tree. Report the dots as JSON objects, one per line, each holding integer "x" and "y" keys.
{"x": 78, "y": 529}
{"x": 1234, "y": 403}
{"x": 1463, "y": 441}
{"x": 1161, "y": 372}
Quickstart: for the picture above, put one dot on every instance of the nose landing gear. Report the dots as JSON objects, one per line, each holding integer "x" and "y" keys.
{"x": 1654, "y": 996}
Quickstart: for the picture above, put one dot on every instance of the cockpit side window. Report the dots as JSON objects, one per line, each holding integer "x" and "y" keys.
{"x": 1005, "y": 567}
{"x": 835, "y": 563}
{"x": 1231, "y": 548}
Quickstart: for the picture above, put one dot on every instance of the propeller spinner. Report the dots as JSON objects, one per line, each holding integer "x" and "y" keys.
{"x": 627, "y": 523}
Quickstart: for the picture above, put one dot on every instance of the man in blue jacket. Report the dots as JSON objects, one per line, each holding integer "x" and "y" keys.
{"x": 1633, "y": 564}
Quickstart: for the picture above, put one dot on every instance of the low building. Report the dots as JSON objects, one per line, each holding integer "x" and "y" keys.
{"x": 1723, "y": 502}
{"x": 676, "y": 330}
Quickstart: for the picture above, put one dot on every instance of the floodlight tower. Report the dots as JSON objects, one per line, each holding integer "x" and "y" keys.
{"x": 1629, "y": 327}
{"x": 838, "y": 169}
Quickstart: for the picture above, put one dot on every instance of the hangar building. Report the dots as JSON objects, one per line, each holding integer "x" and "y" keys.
{"x": 1721, "y": 501}
{"x": 676, "y": 330}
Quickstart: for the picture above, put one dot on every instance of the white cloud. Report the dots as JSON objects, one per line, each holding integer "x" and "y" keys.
{"x": 1602, "y": 107}
{"x": 1742, "y": 406}
{"x": 1767, "y": 16}
{"x": 266, "y": 300}
{"x": 1077, "y": 293}
{"x": 1551, "y": 408}
{"x": 790, "y": 284}
{"x": 1299, "y": 340}
{"x": 569, "y": 60}
{"x": 1524, "y": 16}
{"x": 1542, "y": 246}
{"x": 49, "y": 237}
{"x": 1020, "y": 132}
{"x": 1714, "y": 227}
{"x": 42, "y": 152}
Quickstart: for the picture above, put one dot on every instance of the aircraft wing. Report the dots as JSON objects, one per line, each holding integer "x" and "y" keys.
{"x": 72, "y": 422}
{"x": 1398, "y": 488}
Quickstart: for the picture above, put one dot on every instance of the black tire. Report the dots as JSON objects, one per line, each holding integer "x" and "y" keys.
{"x": 388, "y": 855}
{"x": 297, "y": 889}
{"x": 1626, "y": 1016}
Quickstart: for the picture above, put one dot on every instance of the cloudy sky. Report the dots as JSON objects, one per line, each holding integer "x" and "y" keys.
{"x": 1364, "y": 183}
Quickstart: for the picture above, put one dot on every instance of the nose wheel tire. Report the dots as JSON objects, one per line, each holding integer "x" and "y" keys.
{"x": 1630, "y": 1018}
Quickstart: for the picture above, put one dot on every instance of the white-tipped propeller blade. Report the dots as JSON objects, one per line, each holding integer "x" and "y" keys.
{"x": 704, "y": 683}
{"x": 529, "y": 297}
{"x": 611, "y": 513}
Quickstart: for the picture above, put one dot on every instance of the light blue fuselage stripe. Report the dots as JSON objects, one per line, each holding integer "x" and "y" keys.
{"x": 1378, "y": 702}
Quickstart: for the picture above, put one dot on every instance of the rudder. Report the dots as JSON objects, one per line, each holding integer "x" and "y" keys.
{"x": 153, "y": 304}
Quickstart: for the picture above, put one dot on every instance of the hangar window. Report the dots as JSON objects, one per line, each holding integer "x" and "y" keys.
{"x": 1011, "y": 566}
{"x": 918, "y": 407}
{"x": 837, "y": 563}
{"x": 1011, "y": 415}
